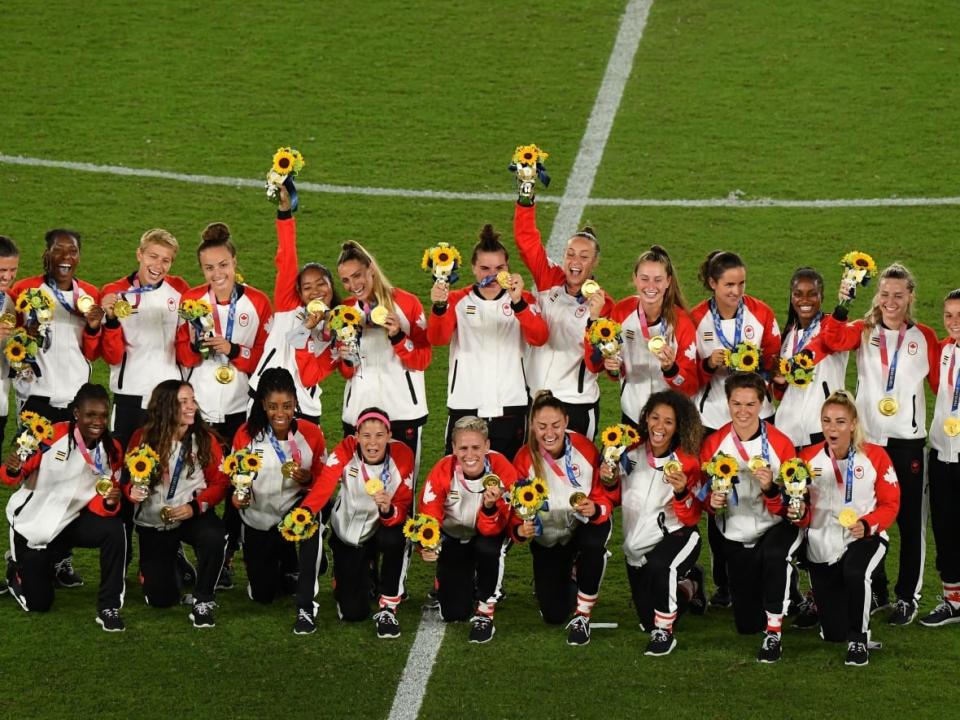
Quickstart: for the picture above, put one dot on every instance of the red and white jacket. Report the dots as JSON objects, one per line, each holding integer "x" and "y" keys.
{"x": 557, "y": 365}
{"x": 65, "y": 365}
{"x": 217, "y": 400}
{"x": 285, "y": 330}
{"x": 57, "y": 484}
{"x": 559, "y": 521}
{"x": 755, "y": 512}
{"x": 641, "y": 374}
{"x": 919, "y": 359}
{"x": 355, "y": 517}
{"x": 272, "y": 495}
{"x": 487, "y": 340}
{"x": 943, "y": 377}
{"x": 202, "y": 486}
{"x": 875, "y": 498}
{"x": 457, "y": 502}
{"x": 798, "y": 414}
{"x": 141, "y": 349}
{"x": 759, "y": 327}
{"x": 390, "y": 375}
{"x": 651, "y": 509}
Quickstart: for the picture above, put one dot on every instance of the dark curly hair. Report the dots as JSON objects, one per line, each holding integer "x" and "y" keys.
{"x": 689, "y": 433}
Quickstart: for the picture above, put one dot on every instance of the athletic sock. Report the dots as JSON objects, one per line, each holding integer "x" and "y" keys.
{"x": 485, "y": 608}
{"x": 664, "y": 621}
{"x": 774, "y": 622}
{"x": 951, "y": 594}
{"x": 389, "y": 603}
{"x": 585, "y": 604}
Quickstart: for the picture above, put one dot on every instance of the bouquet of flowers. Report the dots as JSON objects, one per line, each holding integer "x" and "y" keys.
{"x": 858, "y": 268}
{"x": 797, "y": 370}
{"x": 528, "y": 165}
{"x": 21, "y": 351}
{"x": 241, "y": 466}
{"x": 287, "y": 163}
{"x": 36, "y": 308}
{"x": 615, "y": 440}
{"x": 36, "y": 429}
{"x": 200, "y": 315}
{"x": 745, "y": 357}
{"x": 444, "y": 261}
{"x": 298, "y": 524}
{"x": 143, "y": 463}
{"x": 528, "y": 497}
{"x": 346, "y": 324}
{"x": 794, "y": 476}
{"x": 721, "y": 469}
{"x": 423, "y": 530}
{"x": 605, "y": 338}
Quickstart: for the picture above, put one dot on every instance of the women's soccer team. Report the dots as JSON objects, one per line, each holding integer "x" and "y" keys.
{"x": 522, "y": 405}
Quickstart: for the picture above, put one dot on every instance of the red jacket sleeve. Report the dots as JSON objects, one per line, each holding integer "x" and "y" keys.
{"x": 495, "y": 520}
{"x": 933, "y": 357}
{"x": 314, "y": 369}
{"x": 112, "y": 340}
{"x": 433, "y": 494}
{"x": 441, "y": 325}
{"x": 545, "y": 273}
{"x": 838, "y": 336}
{"x": 247, "y": 359}
{"x": 532, "y": 324}
{"x": 285, "y": 295}
{"x": 886, "y": 489}
{"x": 685, "y": 374}
{"x": 414, "y": 350}
{"x": 318, "y": 446}
{"x": 217, "y": 482}
{"x": 90, "y": 341}
{"x": 325, "y": 485}
{"x": 687, "y": 508}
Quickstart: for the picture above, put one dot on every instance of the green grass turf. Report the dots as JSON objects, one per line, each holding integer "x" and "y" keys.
{"x": 423, "y": 98}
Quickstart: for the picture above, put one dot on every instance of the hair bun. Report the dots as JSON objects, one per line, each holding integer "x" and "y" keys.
{"x": 215, "y": 232}
{"x": 542, "y": 394}
{"x": 488, "y": 235}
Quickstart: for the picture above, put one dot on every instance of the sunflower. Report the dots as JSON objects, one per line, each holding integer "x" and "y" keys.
{"x": 788, "y": 470}
{"x": 425, "y": 263}
{"x": 540, "y": 486}
{"x": 288, "y": 534}
{"x": 203, "y": 306}
{"x": 42, "y": 428}
{"x": 529, "y": 155}
{"x": 301, "y": 516}
{"x": 140, "y": 466}
{"x": 632, "y": 435}
{"x": 801, "y": 379}
{"x": 283, "y": 161}
{"x": 28, "y": 416}
{"x": 803, "y": 361}
{"x": 612, "y": 436}
{"x": 23, "y": 303}
{"x": 149, "y": 452}
{"x": 527, "y": 497}
{"x": 15, "y": 351}
{"x": 725, "y": 468}
{"x": 230, "y": 465}
{"x": 783, "y": 367}
{"x": 860, "y": 261}
{"x": 749, "y": 359}
{"x": 251, "y": 462}
{"x": 350, "y": 316}
{"x": 429, "y": 534}
{"x": 411, "y": 529}
{"x": 310, "y": 531}
{"x": 188, "y": 307}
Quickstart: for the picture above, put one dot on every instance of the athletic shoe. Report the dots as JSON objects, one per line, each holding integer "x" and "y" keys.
{"x": 188, "y": 573}
{"x": 662, "y": 642}
{"x": 16, "y": 592}
{"x": 202, "y": 614}
{"x": 942, "y": 614}
{"x": 387, "y": 626}
{"x": 305, "y": 624}
{"x": 579, "y": 630}
{"x": 879, "y": 602}
{"x": 225, "y": 581}
{"x": 698, "y": 603}
{"x": 721, "y": 597}
{"x": 482, "y": 629}
{"x": 433, "y": 602}
{"x": 65, "y": 575}
{"x": 904, "y": 612}
{"x": 770, "y": 650}
{"x": 808, "y": 617}
{"x": 857, "y": 654}
{"x": 109, "y": 619}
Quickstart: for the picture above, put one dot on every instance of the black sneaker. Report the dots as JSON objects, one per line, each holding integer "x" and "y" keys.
{"x": 202, "y": 614}
{"x": 305, "y": 624}
{"x": 721, "y": 597}
{"x": 225, "y": 581}
{"x": 65, "y": 575}
{"x": 662, "y": 642}
{"x": 579, "y": 629}
{"x": 698, "y": 603}
{"x": 808, "y": 616}
{"x": 433, "y": 602}
{"x": 109, "y": 619}
{"x": 904, "y": 612}
{"x": 482, "y": 629}
{"x": 16, "y": 591}
{"x": 387, "y": 626}
{"x": 770, "y": 650}
{"x": 857, "y": 654}
{"x": 878, "y": 602}
{"x": 188, "y": 573}
{"x": 942, "y": 614}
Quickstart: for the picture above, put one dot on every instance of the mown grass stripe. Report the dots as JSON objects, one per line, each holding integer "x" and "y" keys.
{"x": 416, "y": 673}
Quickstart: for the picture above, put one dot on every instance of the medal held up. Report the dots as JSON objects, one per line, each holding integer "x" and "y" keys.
{"x": 528, "y": 165}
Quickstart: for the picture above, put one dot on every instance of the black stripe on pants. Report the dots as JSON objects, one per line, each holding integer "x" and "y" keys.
{"x": 469, "y": 572}
{"x": 88, "y": 530}
{"x": 351, "y": 570}
{"x": 583, "y": 418}
{"x": 266, "y": 556}
{"x": 158, "y": 558}
{"x": 718, "y": 561}
{"x": 553, "y": 566}
{"x": 654, "y": 584}
{"x": 944, "y": 501}
{"x": 231, "y": 516}
{"x": 760, "y": 576}
{"x": 843, "y": 590}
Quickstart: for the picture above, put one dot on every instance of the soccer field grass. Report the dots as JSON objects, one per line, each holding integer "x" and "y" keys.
{"x": 826, "y": 100}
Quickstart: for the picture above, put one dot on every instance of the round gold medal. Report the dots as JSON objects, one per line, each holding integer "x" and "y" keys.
{"x": 287, "y": 468}
{"x": 888, "y": 406}
{"x": 848, "y": 517}
{"x": 577, "y": 498}
{"x": 672, "y": 466}
{"x": 85, "y": 304}
{"x": 165, "y": 514}
{"x": 951, "y": 426}
{"x": 8, "y": 319}
{"x": 378, "y": 316}
{"x": 316, "y": 306}
{"x": 122, "y": 309}
{"x": 491, "y": 480}
{"x": 590, "y": 287}
{"x": 373, "y": 486}
{"x": 104, "y": 486}
{"x": 225, "y": 374}
{"x": 757, "y": 463}
{"x": 656, "y": 343}
{"x": 503, "y": 279}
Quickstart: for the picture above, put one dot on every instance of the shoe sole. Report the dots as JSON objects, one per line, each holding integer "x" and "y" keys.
{"x": 200, "y": 627}
{"x": 578, "y": 644}
{"x": 768, "y": 662}
{"x": 21, "y": 601}
{"x": 388, "y": 637}
{"x": 304, "y": 632}
{"x": 669, "y": 650}
{"x": 948, "y": 621}
{"x": 105, "y": 628}
{"x": 905, "y": 622}
{"x": 850, "y": 663}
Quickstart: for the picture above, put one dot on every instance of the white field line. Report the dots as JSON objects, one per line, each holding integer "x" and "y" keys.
{"x": 731, "y": 201}
{"x": 580, "y": 182}
{"x": 416, "y": 673}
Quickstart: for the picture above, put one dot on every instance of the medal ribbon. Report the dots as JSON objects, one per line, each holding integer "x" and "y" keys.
{"x": 61, "y": 299}
{"x": 955, "y": 382}
{"x": 177, "y": 469}
{"x": 136, "y": 289}
{"x": 95, "y": 462}
{"x": 652, "y": 460}
{"x": 718, "y": 326}
{"x": 231, "y": 312}
{"x": 384, "y": 471}
{"x": 567, "y": 461}
{"x": 487, "y": 281}
{"x": 848, "y": 482}
{"x": 764, "y": 445}
{"x": 644, "y": 328}
{"x": 801, "y": 338}
{"x": 462, "y": 480}
{"x": 294, "y": 450}
{"x": 886, "y": 367}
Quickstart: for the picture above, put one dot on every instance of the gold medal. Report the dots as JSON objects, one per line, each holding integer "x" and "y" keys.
{"x": 491, "y": 480}
{"x": 656, "y": 343}
{"x": 672, "y": 466}
{"x": 165, "y": 512}
{"x": 590, "y": 287}
{"x": 888, "y": 406}
{"x": 848, "y": 517}
{"x": 378, "y": 316}
{"x": 577, "y": 498}
{"x": 757, "y": 463}
{"x": 287, "y": 468}
{"x": 8, "y": 319}
{"x": 373, "y": 486}
{"x": 104, "y": 486}
{"x": 503, "y": 279}
{"x": 122, "y": 309}
{"x": 225, "y": 374}
{"x": 85, "y": 304}
{"x": 951, "y": 426}
{"x": 316, "y": 306}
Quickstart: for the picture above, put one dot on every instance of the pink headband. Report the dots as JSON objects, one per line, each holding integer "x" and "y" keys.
{"x": 373, "y": 416}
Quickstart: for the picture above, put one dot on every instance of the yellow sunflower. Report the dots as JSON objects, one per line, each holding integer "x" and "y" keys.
{"x": 783, "y": 367}
{"x": 612, "y": 436}
{"x": 149, "y": 452}
{"x": 749, "y": 359}
{"x": 540, "y": 486}
{"x": 251, "y": 462}
{"x": 23, "y": 303}
{"x": 287, "y": 534}
{"x": 230, "y": 465}
{"x": 203, "y": 306}
{"x": 429, "y": 534}
{"x": 411, "y": 529}
{"x": 725, "y": 467}
{"x": 140, "y": 466}
{"x": 528, "y": 497}
{"x": 42, "y": 428}
{"x": 803, "y": 361}
{"x": 529, "y": 155}
{"x": 301, "y": 516}
{"x": 442, "y": 257}
{"x": 788, "y": 470}
{"x": 15, "y": 351}
{"x": 425, "y": 263}
{"x": 28, "y": 416}
{"x": 801, "y": 379}
{"x": 284, "y": 161}
{"x": 350, "y": 316}
{"x": 632, "y": 435}
{"x": 860, "y": 261}
{"x": 310, "y": 531}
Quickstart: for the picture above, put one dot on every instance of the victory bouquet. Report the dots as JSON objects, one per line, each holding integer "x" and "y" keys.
{"x": 423, "y": 530}
{"x": 287, "y": 164}
{"x": 143, "y": 464}
{"x": 858, "y": 269}
{"x": 721, "y": 470}
{"x": 36, "y": 429}
{"x": 528, "y": 165}
{"x": 616, "y": 439}
{"x": 199, "y": 314}
{"x": 21, "y": 351}
{"x": 298, "y": 524}
{"x": 36, "y": 308}
{"x": 745, "y": 357}
{"x": 605, "y": 338}
{"x": 346, "y": 324}
{"x": 797, "y": 370}
{"x": 241, "y": 466}
{"x": 793, "y": 477}
{"x": 443, "y": 261}
{"x": 528, "y": 497}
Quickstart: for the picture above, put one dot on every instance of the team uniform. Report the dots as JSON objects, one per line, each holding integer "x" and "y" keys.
{"x": 471, "y": 560}
{"x": 285, "y": 330}
{"x": 272, "y": 496}
{"x": 6, "y": 306}
{"x": 64, "y": 357}
{"x": 840, "y": 566}
{"x": 642, "y": 374}
{"x": 661, "y": 542}
{"x": 486, "y": 375}
{"x": 361, "y": 534}
{"x": 558, "y": 364}
{"x": 759, "y": 544}
{"x": 57, "y": 508}
{"x": 894, "y": 365}
{"x": 140, "y": 349}
{"x": 565, "y": 539}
